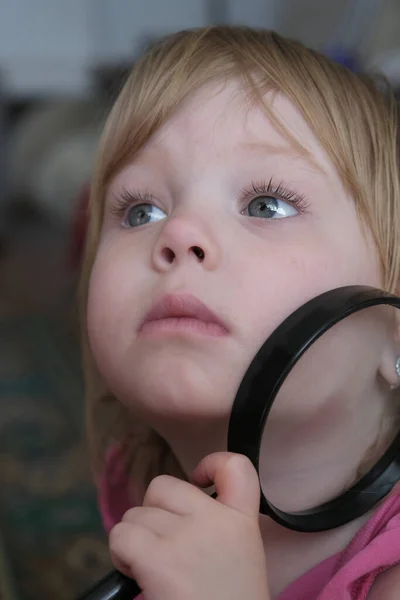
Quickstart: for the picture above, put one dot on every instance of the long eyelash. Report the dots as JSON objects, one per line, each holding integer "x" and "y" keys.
{"x": 280, "y": 192}
{"x": 125, "y": 199}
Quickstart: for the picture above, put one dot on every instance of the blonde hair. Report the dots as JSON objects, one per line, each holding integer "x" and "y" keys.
{"x": 352, "y": 116}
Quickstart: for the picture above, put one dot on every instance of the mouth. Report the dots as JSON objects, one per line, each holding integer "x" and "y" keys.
{"x": 182, "y": 313}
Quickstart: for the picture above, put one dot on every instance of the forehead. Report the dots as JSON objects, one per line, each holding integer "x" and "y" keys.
{"x": 224, "y": 120}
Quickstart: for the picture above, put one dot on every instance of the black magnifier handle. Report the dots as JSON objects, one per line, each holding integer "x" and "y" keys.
{"x": 113, "y": 586}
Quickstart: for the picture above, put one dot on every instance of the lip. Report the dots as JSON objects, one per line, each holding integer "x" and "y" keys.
{"x": 182, "y": 312}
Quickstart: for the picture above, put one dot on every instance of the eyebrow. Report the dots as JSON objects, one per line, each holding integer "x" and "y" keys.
{"x": 263, "y": 148}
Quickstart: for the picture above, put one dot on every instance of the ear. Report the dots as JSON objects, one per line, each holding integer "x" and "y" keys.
{"x": 388, "y": 368}
{"x": 391, "y": 352}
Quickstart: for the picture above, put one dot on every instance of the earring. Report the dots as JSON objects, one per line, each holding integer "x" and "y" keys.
{"x": 398, "y": 367}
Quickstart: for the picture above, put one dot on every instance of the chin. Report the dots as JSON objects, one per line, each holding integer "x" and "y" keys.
{"x": 180, "y": 383}
{"x": 181, "y": 391}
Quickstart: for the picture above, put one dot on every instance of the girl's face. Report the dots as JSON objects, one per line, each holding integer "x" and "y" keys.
{"x": 220, "y": 207}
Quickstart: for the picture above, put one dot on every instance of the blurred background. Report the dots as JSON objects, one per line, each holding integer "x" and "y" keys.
{"x": 61, "y": 64}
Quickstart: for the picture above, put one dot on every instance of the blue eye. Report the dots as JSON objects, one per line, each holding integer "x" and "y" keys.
{"x": 268, "y": 207}
{"x": 140, "y": 214}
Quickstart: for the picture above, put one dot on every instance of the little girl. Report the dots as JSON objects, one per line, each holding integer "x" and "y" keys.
{"x": 240, "y": 174}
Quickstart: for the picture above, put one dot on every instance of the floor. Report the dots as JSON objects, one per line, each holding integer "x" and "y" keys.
{"x": 51, "y": 540}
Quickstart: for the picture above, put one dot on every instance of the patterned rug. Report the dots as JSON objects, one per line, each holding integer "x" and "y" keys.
{"x": 51, "y": 541}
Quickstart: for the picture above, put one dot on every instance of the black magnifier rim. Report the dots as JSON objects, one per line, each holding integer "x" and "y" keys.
{"x": 261, "y": 384}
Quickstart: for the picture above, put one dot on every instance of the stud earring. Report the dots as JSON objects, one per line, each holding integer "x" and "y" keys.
{"x": 398, "y": 367}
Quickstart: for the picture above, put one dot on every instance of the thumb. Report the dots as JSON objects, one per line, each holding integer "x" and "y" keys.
{"x": 235, "y": 480}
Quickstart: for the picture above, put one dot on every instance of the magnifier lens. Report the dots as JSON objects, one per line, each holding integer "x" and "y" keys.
{"x": 334, "y": 415}
{"x": 317, "y": 411}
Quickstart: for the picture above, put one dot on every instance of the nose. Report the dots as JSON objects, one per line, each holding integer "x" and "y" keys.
{"x": 184, "y": 239}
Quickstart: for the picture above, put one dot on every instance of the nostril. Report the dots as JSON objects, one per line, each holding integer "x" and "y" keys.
{"x": 168, "y": 255}
{"x": 198, "y": 252}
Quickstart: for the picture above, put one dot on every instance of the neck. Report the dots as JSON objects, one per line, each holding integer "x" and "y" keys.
{"x": 191, "y": 441}
{"x": 290, "y": 554}
{"x": 308, "y": 459}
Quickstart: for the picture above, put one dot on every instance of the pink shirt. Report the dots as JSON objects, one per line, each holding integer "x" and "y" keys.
{"x": 348, "y": 575}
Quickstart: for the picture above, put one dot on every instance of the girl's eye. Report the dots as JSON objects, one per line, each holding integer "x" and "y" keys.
{"x": 268, "y": 207}
{"x": 140, "y": 214}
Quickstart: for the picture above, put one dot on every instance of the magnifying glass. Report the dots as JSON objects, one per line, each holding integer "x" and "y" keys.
{"x": 297, "y": 412}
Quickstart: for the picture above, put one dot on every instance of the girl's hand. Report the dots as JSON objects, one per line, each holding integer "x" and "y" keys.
{"x": 184, "y": 545}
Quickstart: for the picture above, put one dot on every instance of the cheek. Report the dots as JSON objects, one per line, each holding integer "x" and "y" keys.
{"x": 99, "y": 329}
{"x": 295, "y": 276}
{"x": 109, "y": 327}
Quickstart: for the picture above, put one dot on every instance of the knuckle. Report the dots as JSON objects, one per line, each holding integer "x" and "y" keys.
{"x": 157, "y": 486}
{"x": 131, "y": 515}
{"x": 115, "y": 535}
{"x": 240, "y": 461}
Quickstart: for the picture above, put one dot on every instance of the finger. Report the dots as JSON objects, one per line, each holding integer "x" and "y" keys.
{"x": 235, "y": 480}
{"x": 131, "y": 547}
{"x": 157, "y": 520}
{"x": 171, "y": 494}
